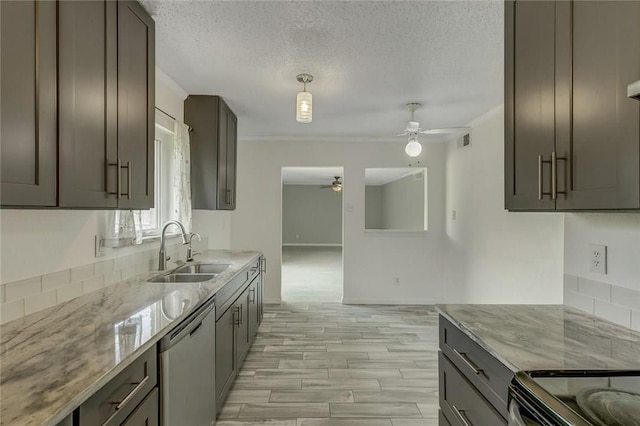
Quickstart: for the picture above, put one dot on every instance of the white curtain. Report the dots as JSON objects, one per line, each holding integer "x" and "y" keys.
{"x": 181, "y": 191}
{"x": 124, "y": 227}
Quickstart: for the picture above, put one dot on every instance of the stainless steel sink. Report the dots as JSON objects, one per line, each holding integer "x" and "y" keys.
{"x": 203, "y": 268}
{"x": 182, "y": 278}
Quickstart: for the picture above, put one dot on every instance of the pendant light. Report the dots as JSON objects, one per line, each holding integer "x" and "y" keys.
{"x": 304, "y": 100}
{"x": 413, "y": 148}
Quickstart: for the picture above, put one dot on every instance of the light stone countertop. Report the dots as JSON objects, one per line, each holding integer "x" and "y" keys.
{"x": 547, "y": 337}
{"x": 53, "y": 360}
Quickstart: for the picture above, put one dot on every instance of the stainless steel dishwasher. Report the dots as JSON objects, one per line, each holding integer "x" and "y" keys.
{"x": 187, "y": 364}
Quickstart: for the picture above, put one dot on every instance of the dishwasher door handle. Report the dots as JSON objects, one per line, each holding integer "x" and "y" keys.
{"x": 191, "y": 326}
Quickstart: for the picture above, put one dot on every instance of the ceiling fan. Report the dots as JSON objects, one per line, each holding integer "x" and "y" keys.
{"x": 413, "y": 129}
{"x": 336, "y": 185}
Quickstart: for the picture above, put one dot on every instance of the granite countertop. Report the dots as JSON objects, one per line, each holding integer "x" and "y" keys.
{"x": 53, "y": 360}
{"x": 547, "y": 337}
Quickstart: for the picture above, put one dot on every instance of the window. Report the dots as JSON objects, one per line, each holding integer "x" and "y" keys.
{"x": 172, "y": 192}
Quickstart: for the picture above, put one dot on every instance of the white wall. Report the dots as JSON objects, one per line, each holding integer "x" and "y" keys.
{"x": 371, "y": 260}
{"x": 494, "y": 256}
{"x": 37, "y": 242}
{"x": 311, "y": 215}
{"x": 620, "y": 232}
{"x": 403, "y": 203}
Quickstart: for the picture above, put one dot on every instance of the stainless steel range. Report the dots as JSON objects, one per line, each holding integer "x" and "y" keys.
{"x": 575, "y": 398}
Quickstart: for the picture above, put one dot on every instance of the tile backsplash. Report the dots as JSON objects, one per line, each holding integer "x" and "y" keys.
{"x": 614, "y": 303}
{"x": 20, "y": 298}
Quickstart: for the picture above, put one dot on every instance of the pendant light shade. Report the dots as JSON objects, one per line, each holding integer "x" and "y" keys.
{"x": 413, "y": 148}
{"x": 304, "y": 100}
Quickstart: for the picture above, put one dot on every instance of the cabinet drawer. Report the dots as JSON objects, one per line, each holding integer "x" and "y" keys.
{"x": 485, "y": 372}
{"x": 146, "y": 414}
{"x": 116, "y": 400}
{"x": 227, "y": 295}
{"x": 461, "y": 403}
{"x": 254, "y": 269}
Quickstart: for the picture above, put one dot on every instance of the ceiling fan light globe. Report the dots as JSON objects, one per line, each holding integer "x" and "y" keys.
{"x": 413, "y": 148}
{"x": 304, "y": 107}
{"x": 336, "y": 188}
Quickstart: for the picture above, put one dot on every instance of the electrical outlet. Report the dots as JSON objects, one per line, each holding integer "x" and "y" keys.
{"x": 99, "y": 248}
{"x": 598, "y": 258}
{"x": 396, "y": 281}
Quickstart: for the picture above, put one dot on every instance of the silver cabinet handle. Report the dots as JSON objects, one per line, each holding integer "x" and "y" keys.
{"x": 540, "y": 193}
{"x": 118, "y": 166}
{"x": 128, "y": 167}
{"x": 236, "y": 316}
{"x": 554, "y": 175}
{"x": 463, "y": 356}
{"x": 119, "y": 404}
{"x": 461, "y": 416}
{"x": 264, "y": 264}
{"x": 128, "y": 180}
{"x": 252, "y": 293}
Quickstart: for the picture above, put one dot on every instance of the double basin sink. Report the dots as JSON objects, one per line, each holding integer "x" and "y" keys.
{"x": 192, "y": 273}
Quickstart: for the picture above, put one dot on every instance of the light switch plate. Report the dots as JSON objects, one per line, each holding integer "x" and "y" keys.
{"x": 598, "y": 258}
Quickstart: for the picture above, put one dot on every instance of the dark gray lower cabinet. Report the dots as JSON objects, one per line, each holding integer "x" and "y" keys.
{"x": 242, "y": 327}
{"x": 474, "y": 385}
{"x": 237, "y": 327}
{"x": 146, "y": 414}
{"x": 124, "y": 400}
{"x": 225, "y": 354}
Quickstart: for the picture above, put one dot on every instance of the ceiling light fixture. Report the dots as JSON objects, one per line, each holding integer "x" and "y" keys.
{"x": 413, "y": 148}
{"x": 304, "y": 100}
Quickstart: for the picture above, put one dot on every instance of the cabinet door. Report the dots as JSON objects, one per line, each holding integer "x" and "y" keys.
{"x": 242, "y": 329}
{"x": 232, "y": 147}
{"x": 136, "y": 103}
{"x": 201, "y": 114}
{"x": 225, "y": 354}
{"x": 146, "y": 414}
{"x": 28, "y": 112}
{"x": 224, "y": 193}
{"x": 529, "y": 102}
{"x": 598, "y": 55}
{"x": 253, "y": 314}
{"x": 87, "y": 91}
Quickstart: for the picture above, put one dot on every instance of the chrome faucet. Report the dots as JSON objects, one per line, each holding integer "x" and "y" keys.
{"x": 162, "y": 265}
{"x": 190, "y": 252}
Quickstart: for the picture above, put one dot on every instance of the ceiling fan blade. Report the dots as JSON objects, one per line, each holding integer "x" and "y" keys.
{"x": 445, "y": 130}
{"x": 405, "y": 133}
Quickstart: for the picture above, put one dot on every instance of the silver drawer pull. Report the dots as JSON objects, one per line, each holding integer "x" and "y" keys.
{"x": 461, "y": 416}
{"x": 129, "y": 397}
{"x": 468, "y": 362}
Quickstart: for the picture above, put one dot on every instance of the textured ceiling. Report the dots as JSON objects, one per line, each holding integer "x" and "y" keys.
{"x": 368, "y": 58}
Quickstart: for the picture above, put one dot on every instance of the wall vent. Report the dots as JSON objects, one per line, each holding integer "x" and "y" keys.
{"x": 466, "y": 140}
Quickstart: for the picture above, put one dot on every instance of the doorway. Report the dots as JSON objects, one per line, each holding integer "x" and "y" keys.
{"x": 312, "y": 234}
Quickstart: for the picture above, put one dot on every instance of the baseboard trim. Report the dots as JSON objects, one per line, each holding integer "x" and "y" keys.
{"x": 356, "y": 301}
{"x": 274, "y": 301}
{"x": 311, "y": 245}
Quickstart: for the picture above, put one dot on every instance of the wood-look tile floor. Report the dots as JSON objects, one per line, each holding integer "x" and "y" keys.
{"x": 328, "y": 364}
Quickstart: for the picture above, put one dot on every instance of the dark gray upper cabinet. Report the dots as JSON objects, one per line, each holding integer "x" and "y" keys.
{"x": 107, "y": 93}
{"x": 100, "y": 152}
{"x": 28, "y": 111}
{"x": 136, "y": 103}
{"x": 213, "y": 152}
{"x": 87, "y": 92}
{"x": 572, "y": 136}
